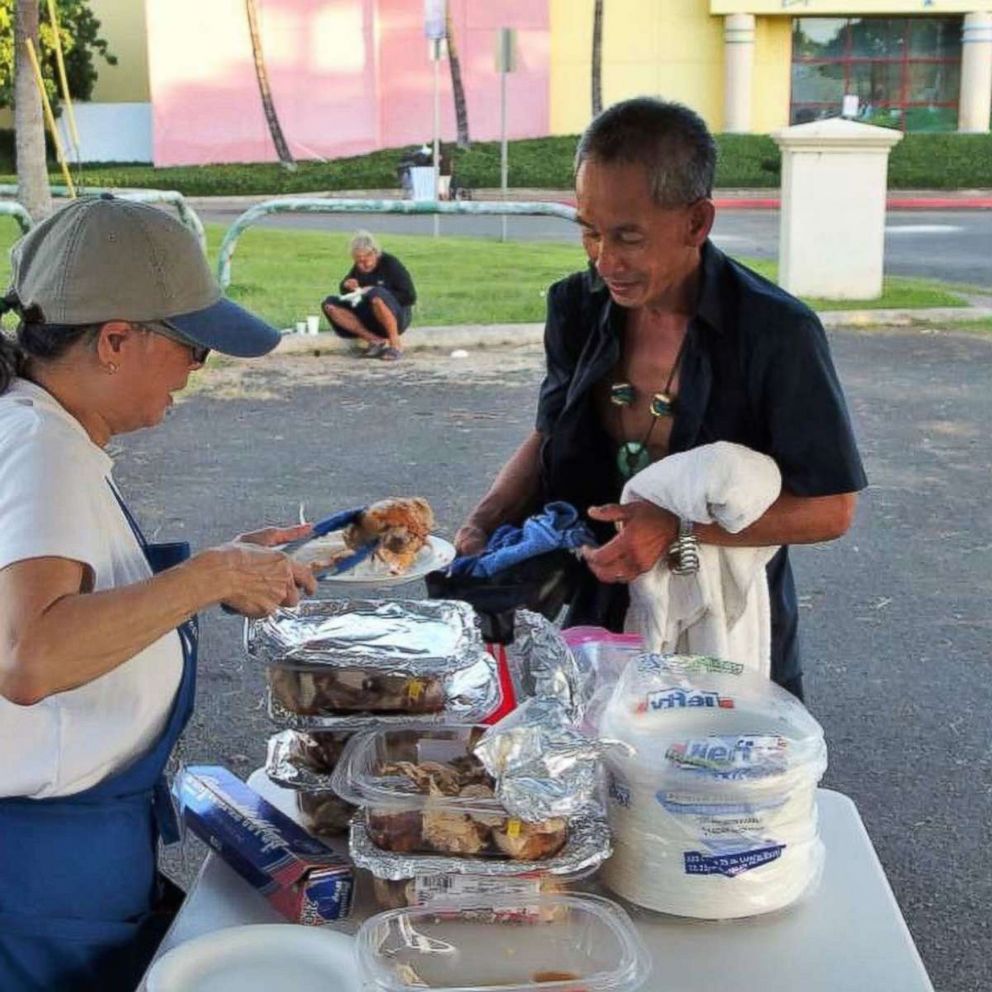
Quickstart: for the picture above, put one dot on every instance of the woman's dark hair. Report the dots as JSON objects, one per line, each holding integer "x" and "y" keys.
{"x": 671, "y": 141}
{"x": 41, "y": 342}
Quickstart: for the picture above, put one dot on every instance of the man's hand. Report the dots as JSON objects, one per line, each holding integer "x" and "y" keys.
{"x": 470, "y": 540}
{"x": 646, "y": 533}
{"x": 350, "y": 285}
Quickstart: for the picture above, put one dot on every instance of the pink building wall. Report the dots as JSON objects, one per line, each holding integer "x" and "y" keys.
{"x": 347, "y": 76}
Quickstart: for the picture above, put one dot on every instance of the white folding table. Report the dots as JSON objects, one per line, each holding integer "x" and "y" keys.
{"x": 849, "y": 935}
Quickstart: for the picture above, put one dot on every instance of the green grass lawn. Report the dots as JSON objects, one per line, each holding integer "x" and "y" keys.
{"x": 982, "y": 326}
{"x": 283, "y": 275}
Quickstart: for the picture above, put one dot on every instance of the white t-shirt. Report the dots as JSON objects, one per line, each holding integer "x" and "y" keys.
{"x": 56, "y": 500}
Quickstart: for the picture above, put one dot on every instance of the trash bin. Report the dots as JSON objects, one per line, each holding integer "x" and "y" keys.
{"x": 422, "y": 182}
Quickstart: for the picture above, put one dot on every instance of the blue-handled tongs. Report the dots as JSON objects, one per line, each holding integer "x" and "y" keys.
{"x": 328, "y": 525}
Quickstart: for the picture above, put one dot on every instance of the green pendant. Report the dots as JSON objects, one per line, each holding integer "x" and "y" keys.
{"x": 632, "y": 456}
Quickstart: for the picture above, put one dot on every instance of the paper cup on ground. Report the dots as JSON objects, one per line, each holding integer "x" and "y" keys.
{"x": 313, "y": 324}
{"x": 301, "y": 327}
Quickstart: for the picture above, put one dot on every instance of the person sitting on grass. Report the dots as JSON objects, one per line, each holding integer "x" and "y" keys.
{"x": 376, "y": 301}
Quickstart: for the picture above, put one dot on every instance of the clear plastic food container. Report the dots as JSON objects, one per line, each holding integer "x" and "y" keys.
{"x": 424, "y": 791}
{"x": 543, "y": 944}
{"x": 332, "y": 664}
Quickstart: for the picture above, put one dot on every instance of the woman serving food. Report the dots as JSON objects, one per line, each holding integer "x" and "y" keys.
{"x": 98, "y": 635}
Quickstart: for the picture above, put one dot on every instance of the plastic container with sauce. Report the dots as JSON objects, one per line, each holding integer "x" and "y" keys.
{"x": 511, "y": 944}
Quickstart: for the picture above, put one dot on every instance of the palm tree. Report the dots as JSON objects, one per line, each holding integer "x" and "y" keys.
{"x": 457, "y": 89}
{"x": 597, "y": 57}
{"x": 282, "y": 149}
{"x": 29, "y": 124}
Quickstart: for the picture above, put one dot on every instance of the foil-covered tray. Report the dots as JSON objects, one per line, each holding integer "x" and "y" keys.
{"x": 588, "y": 846}
{"x": 429, "y": 636}
{"x": 336, "y": 664}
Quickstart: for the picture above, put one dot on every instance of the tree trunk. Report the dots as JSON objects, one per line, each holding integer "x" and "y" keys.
{"x": 597, "y": 57}
{"x": 29, "y": 122}
{"x": 272, "y": 119}
{"x": 457, "y": 89}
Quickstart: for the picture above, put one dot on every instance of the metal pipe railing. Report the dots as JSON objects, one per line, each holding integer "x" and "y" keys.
{"x": 186, "y": 213}
{"x": 329, "y": 205}
{"x": 18, "y": 212}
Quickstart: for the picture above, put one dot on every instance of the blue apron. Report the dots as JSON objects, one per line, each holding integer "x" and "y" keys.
{"x": 78, "y": 875}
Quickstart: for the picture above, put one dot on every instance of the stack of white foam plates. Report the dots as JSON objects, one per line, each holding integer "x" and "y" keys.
{"x": 713, "y": 805}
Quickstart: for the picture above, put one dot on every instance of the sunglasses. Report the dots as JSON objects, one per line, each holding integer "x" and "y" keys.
{"x": 165, "y": 330}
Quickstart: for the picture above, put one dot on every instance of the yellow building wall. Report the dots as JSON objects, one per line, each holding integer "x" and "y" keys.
{"x": 772, "y": 80}
{"x": 122, "y": 23}
{"x": 846, "y": 8}
{"x": 667, "y": 48}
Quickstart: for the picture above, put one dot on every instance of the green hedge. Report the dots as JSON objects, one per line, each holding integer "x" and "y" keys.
{"x": 919, "y": 161}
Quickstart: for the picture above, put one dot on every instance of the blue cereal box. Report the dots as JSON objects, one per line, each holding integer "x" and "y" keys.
{"x": 302, "y": 878}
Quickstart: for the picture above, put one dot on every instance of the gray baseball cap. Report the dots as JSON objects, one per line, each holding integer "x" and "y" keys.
{"x": 102, "y": 258}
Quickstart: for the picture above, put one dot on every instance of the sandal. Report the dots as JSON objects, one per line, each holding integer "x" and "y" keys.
{"x": 374, "y": 351}
{"x": 389, "y": 354}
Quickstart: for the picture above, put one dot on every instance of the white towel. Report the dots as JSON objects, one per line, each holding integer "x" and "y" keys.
{"x": 722, "y": 610}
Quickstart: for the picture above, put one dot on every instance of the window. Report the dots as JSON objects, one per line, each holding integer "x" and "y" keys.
{"x": 902, "y": 72}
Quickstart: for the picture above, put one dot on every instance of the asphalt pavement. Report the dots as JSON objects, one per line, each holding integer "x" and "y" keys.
{"x": 953, "y": 245}
{"x": 895, "y": 617}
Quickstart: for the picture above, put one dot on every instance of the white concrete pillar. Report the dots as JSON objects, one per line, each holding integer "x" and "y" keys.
{"x": 832, "y": 219}
{"x": 975, "y": 102}
{"x": 738, "y": 46}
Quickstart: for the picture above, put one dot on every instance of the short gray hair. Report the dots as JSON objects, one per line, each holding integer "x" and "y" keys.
{"x": 671, "y": 141}
{"x": 362, "y": 241}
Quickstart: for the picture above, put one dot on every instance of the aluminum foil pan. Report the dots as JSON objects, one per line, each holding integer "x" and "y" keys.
{"x": 458, "y": 695}
{"x": 542, "y": 665}
{"x": 300, "y": 760}
{"x": 588, "y": 846}
{"x": 429, "y": 636}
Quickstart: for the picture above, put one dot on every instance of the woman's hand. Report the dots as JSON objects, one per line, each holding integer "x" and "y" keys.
{"x": 257, "y": 579}
{"x": 269, "y": 537}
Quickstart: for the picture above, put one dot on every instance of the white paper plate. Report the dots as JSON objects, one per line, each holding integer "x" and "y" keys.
{"x": 436, "y": 553}
{"x": 259, "y": 959}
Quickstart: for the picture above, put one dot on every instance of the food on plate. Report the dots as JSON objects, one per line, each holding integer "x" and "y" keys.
{"x": 461, "y": 815}
{"x": 401, "y": 527}
{"x": 313, "y": 693}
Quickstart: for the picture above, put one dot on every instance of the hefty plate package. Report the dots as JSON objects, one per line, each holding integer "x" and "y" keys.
{"x": 302, "y": 878}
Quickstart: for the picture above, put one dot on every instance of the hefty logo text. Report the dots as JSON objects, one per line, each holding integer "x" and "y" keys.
{"x": 677, "y": 699}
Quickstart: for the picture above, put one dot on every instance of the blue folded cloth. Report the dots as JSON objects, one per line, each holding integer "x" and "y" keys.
{"x": 557, "y": 526}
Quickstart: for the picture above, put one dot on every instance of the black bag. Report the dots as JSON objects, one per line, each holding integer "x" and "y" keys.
{"x": 543, "y": 584}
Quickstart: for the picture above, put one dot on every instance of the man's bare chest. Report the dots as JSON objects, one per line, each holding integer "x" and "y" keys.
{"x": 636, "y": 401}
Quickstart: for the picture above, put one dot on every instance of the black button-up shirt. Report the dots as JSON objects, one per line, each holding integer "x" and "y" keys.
{"x": 756, "y": 370}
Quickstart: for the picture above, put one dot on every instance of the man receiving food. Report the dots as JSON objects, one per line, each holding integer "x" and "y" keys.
{"x": 667, "y": 346}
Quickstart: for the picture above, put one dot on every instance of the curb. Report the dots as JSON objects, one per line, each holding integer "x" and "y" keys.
{"x": 478, "y": 336}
